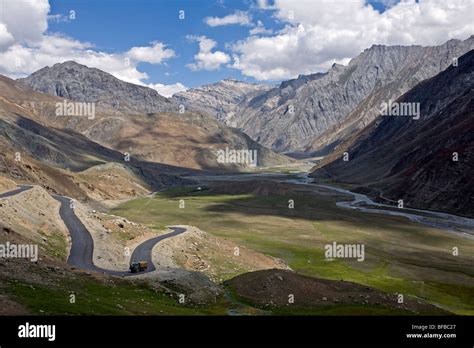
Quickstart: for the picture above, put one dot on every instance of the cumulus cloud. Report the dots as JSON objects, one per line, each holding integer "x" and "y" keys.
{"x": 205, "y": 59}
{"x": 25, "y": 20}
{"x": 238, "y": 17}
{"x": 27, "y": 48}
{"x": 260, "y": 29}
{"x": 168, "y": 90}
{"x": 155, "y": 54}
{"x": 319, "y": 33}
{"x": 6, "y": 39}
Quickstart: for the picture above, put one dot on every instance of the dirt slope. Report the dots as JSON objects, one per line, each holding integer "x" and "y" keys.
{"x": 272, "y": 289}
{"x": 218, "y": 258}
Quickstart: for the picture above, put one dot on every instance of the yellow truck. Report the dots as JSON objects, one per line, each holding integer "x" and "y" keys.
{"x": 139, "y": 266}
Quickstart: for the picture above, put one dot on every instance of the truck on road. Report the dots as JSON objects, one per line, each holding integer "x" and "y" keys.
{"x": 139, "y": 266}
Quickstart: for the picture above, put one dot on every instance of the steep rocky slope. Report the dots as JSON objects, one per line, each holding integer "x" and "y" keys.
{"x": 220, "y": 99}
{"x": 313, "y": 112}
{"x": 190, "y": 140}
{"x": 36, "y": 149}
{"x": 415, "y": 160}
{"x": 134, "y": 120}
{"x": 78, "y": 82}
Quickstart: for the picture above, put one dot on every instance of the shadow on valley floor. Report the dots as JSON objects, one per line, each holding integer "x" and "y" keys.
{"x": 269, "y": 198}
{"x": 400, "y": 256}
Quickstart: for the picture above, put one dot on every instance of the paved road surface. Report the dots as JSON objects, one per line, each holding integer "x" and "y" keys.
{"x": 20, "y": 189}
{"x": 82, "y": 244}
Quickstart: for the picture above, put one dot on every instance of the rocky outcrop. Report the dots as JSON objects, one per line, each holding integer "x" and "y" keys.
{"x": 309, "y": 113}
{"x": 427, "y": 162}
{"x": 221, "y": 99}
{"x": 78, "y": 82}
{"x": 189, "y": 140}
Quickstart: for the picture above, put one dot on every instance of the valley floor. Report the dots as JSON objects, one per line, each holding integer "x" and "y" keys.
{"x": 402, "y": 256}
{"x": 251, "y": 242}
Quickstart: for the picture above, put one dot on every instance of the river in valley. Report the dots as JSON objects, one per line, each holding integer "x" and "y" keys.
{"x": 461, "y": 226}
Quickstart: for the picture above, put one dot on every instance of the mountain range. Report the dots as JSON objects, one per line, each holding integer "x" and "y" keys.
{"x": 137, "y": 120}
{"x": 318, "y": 114}
{"x": 78, "y": 82}
{"x": 313, "y": 113}
{"x": 37, "y": 149}
{"x": 221, "y": 99}
{"x": 426, "y": 162}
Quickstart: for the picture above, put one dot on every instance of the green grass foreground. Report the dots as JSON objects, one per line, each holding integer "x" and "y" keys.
{"x": 401, "y": 257}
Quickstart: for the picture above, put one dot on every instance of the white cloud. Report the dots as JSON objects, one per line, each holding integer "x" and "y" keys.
{"x": 260, "y": 29}
{"x": 6, "y": 39}
{"x": 19, "y": 60}
{"x": 27, "y": 48}
{"x": 168, "y": 90}
{"x": 205, "y": 58}
{"x": 25, "y": 20}
{"x": 238, "y": 17}
{"x": 319, "y": 33}
{"x": 155, "y": 54}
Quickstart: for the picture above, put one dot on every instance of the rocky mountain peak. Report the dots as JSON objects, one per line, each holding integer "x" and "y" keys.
{"x": 69, "y": 64}
{"x": 321, "y": 104}
{"x": 391, "y": 156}
{"x": 221, "y": 99}
{"x": 333, "y": 66}
{"x": 78, "y": 82}
{"x": 231, "y": 81}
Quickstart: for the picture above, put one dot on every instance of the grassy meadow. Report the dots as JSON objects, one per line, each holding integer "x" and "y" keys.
{"x": 400, "y": 256}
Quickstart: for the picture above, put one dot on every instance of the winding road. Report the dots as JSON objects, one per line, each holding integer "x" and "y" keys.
{"x": 82, "y": 243}
{"x": 20, "y": 189}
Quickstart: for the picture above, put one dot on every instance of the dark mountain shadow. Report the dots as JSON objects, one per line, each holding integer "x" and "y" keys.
{"x": 270, "y": 198}
{"x": 67, "y": 149}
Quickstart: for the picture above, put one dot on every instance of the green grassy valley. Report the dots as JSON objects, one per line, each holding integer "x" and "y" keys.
{"x": 401, "y": 257}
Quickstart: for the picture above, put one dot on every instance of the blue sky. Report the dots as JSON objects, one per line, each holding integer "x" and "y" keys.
{"x": 117, "y": 25}
{"x": 265, "y": 41}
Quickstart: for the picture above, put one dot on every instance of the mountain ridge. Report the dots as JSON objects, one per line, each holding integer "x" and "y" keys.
{"x": 414, "y": 160}
{"x": 189, "y": 139}
{"x": 219, "y": 99}
{"x": 78, "y": 82}
{"x": 326, "y": 101}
